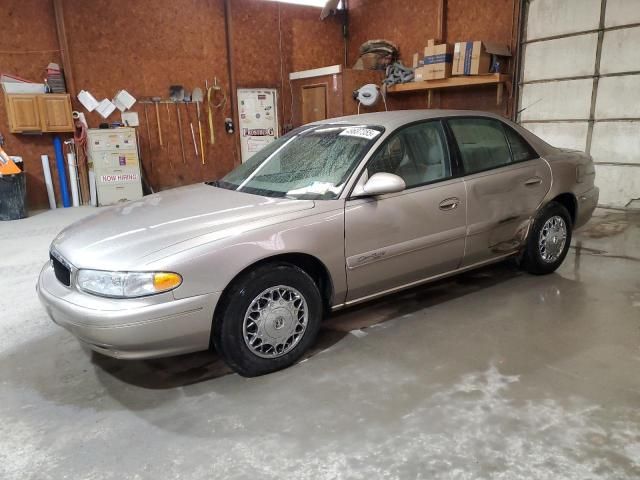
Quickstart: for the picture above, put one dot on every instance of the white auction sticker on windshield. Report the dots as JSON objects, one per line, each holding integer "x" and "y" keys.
{"x": 361, "y": 132}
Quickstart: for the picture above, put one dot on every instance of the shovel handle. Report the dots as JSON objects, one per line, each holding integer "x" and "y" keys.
{"x": 184, "y": 159}
{"x": 201, "y": 142}
{"x": 158, "y": 121}
{"x": 212, "y": 138}
{"x": 193, "y": 137}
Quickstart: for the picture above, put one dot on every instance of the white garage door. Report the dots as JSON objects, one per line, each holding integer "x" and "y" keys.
{"x": 580, "y": 82}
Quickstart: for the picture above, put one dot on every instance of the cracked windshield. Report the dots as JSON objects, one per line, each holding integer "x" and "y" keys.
{"x": 310, "y": 163}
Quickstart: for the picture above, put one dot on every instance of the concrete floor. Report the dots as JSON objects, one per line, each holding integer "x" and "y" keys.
{"x": 493, "y": 374}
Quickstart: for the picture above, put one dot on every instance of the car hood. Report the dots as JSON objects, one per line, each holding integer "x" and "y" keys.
{"x": 121, "y": 237}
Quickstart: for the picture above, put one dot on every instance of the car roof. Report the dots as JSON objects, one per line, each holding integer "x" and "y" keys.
{"x": 394, "y": 119}
{"x": 397, "y": 118}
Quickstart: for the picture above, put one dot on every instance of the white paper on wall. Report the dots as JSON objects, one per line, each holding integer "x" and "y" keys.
{"x": 123, "y": 100}
{"x": 87, "y": 100}
{"x": 130, "y": 119}
{"x": 105, "y": 108}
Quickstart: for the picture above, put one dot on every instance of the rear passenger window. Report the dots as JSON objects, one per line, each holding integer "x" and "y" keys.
{"x": 520, "y": 149}
{"x": 482, "y": 143}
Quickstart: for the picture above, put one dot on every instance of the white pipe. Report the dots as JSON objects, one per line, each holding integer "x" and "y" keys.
{"x": 47, "y": 181}
{"x": 73, "y": 178}
{"x": 92, "y": 188}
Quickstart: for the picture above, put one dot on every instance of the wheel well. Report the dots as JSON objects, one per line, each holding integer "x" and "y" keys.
{"x": 310, "y": 264}
{"x": 568, "y": 200}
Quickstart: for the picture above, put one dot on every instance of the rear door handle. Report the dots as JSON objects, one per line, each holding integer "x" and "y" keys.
{"x": 532, "y": 182}
{"x": 449, "y": 203}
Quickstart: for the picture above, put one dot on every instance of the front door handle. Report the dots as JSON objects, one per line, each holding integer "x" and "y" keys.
{"x": 532, "y": 182}
{"x": 449, "y": 203}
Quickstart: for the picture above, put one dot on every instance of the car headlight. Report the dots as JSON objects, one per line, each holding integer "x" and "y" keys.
{"x": 126, "y": 284}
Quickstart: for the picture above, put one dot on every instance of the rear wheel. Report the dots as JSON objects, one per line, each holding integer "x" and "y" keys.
{"x": 548, "y": 241}
{"x": 269, "y": 318}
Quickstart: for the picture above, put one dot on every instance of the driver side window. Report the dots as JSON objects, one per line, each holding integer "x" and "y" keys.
{"x": 418, "y": 154}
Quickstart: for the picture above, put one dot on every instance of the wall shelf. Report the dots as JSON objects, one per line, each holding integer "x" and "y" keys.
{"x": 497, "y": 79}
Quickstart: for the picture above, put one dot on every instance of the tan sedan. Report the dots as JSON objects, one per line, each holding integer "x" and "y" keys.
{"x": 332, "y": 214}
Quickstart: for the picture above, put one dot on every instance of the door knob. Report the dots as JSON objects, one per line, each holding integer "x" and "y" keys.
{"x": 449, "y": 203}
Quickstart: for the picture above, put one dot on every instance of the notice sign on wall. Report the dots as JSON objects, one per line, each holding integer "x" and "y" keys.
{"x": 120, "y": 178}
{"x": 258, "y": 116}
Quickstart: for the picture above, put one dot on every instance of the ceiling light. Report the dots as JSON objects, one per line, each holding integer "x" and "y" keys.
{"x": 310, "y": 3}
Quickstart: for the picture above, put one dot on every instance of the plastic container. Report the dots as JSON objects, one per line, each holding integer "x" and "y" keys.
{"x": 13, "y": 197}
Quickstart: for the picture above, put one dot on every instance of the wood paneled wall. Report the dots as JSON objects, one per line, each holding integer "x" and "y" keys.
{"x": 144, "y": 47}
{"x": 28, "y": 42}
{"x": 411, "y": 24}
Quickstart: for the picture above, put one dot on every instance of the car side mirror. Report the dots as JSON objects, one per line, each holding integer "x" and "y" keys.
{"x": 380, "y": 184}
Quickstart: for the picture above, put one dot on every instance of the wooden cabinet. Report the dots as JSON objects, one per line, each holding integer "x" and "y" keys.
{"x": 39, "y": 113}
{"x": 55, "y": 113}
{"x": 23, "y": 113}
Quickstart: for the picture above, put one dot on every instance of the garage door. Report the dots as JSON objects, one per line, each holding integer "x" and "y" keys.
{"x": 580, "y": 86}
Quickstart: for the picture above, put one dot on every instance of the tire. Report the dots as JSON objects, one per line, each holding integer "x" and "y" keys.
{"x": 542, "y": 258}
{"x": 285, "y": 301}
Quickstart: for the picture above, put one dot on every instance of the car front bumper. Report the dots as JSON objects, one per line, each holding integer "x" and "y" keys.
{"x": 148, "y": 327}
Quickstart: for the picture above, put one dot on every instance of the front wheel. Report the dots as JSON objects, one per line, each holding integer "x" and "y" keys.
{"x": 269, "y": 318}
{"x": 548, "y": 241}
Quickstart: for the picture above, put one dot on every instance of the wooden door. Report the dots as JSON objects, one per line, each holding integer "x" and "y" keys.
{"x": 55, "y": 112}
{"x": 23, "y": 113}
{"x": 314, "y": 103}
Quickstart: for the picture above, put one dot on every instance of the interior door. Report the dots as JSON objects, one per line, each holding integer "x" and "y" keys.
{"x": 506, "y": 182}
{"x": 314, "y": 103}
{"x": 397, "y": 239}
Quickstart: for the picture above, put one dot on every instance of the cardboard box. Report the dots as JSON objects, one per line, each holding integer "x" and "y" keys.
{"x": 420, "y": 74}
{"x": 438, "y": 60}
{"x": 475, "y": 58}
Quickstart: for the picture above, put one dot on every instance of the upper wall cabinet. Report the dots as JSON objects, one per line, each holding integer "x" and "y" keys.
{"x": 23, "y": 113}
{"x": 55, "y": 113}
{"x": 39, "y": 113}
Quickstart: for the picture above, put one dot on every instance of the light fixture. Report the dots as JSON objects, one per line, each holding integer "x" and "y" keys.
{"x": 309, "y": 3}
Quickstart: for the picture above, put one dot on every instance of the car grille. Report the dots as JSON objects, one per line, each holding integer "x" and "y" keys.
{"x": 63, "y": 274}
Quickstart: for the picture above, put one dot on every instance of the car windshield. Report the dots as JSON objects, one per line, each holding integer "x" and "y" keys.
{"x": 311, "y": 162}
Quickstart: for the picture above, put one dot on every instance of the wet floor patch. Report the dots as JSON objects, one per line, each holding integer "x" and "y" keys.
{"x": 610, "y": 224}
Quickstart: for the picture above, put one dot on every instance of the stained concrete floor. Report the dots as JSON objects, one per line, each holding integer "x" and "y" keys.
{"x": 493, "y": 374}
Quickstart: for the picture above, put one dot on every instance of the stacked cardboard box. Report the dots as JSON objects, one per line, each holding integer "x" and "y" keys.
{"x": 418, "y": 60}
{"x": 437, "y": 62}
{"x": 478, "y": 58}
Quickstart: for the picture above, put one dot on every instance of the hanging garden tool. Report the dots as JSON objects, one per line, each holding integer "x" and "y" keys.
{"x": 168, "y": 141}
{"x": 211, "y": 93}
{"x": 197, "y": 97}
{"x": 146, "y": 119}
{"x": 156, "y": 102}
{"x": 176, "y": 94}
{"x": 187, "y": 101}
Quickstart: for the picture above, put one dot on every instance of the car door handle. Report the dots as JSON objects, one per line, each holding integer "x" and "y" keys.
{"x": 532, "y": 182}
{"x": 449, "y": 203}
